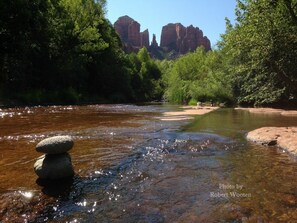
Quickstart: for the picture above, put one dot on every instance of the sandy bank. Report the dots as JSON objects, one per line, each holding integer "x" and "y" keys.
{"x": 270, "y": 111}
{"x": 284, "y": 137}
{"x": 187, "y": 113}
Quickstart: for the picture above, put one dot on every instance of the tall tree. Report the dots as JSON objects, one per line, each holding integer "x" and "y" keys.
{"x": 146, "y": 77}
{"x": 262, "y": 51}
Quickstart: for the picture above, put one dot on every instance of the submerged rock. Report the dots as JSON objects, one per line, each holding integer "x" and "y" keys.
{"x": 55, "y": 145}
{"x": 54, "y": 166}
{"x": 17, "y": 206}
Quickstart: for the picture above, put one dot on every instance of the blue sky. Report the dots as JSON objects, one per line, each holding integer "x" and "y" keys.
{"x": 208, "y": 15}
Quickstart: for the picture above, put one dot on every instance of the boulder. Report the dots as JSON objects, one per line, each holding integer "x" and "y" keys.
{"x": 265, "y": 136}
{"x": 283, "y": 137}
{"x": 54, "y": 166}
{"x": 55, "y": 145}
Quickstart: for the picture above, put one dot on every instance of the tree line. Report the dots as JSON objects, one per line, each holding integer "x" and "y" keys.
{"x": 66, "y": 51}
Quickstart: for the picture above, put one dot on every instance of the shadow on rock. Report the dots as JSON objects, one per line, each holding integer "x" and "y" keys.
{"x": 56, "y": 188}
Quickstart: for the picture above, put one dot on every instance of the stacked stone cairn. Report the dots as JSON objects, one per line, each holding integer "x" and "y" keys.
{"x": 56, "y": 162}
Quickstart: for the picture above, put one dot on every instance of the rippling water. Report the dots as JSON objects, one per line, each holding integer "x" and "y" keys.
{"x": 132, "y": 167}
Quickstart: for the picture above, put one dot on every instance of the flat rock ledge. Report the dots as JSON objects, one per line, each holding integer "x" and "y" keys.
{"x": 270, "y": 111}
{"x": 283, "y": 137}
{"x": 187, "y": 113}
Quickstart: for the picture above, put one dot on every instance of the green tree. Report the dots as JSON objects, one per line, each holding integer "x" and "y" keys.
{"x": 199, "y": 76}
{"x": 261, "y": 51}
{"x": 89, "y": 57}
{"x": 146, "y": 77}
{"x": 23, "y": 45}
{"x": 61, "y": 51}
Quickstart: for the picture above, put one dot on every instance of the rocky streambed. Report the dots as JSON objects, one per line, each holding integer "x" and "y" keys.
{"x": 132, "y": 166}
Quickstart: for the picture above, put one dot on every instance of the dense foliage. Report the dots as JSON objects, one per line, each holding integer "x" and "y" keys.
{"x": 261, "y": 52}
{"x": 255, "y": 63}
{"x": 198, "y": 76}
{"x": 66, "y": 51}
{"x": 146, "y": 77}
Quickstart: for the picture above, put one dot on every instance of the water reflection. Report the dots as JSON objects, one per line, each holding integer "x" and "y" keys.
{"x": 235, "y": 123}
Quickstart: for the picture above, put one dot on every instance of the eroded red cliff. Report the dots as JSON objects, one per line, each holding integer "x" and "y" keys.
{"x": 183, "y": 39}
{"x": 174, "y": 37}
{"x": 129, "y": 32}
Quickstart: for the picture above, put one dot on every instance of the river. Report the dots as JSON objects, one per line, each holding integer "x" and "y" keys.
{"x": 132, "y": 167}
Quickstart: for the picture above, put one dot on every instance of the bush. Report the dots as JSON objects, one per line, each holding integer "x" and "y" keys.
{"x": 193, "y": 102}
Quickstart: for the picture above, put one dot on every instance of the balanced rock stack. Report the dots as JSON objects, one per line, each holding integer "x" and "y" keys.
{"x": 56, "y": 163}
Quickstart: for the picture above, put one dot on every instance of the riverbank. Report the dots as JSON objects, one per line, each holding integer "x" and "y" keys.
{"x": 283, "y": 137}
{"x": 186, "y": 113}
{"x": 270, "y": 111}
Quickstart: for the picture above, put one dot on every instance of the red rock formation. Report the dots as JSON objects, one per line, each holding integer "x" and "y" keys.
{"x": 206, "y": 43}
{"x": 173, "y": 37}
{"x": 182, "y": 40}
{"x": 134, "y": 33}
{"x": 181, "y": 32}
{"x": 129, "y": 32}
{"x": 144, "y": 39}
{"x": 121, "y": 26}
{"x": 154, "y": 43}
{"x": 169, "y": 36}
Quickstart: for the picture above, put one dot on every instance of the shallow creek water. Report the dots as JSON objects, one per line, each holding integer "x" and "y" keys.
{"x": 132, "y": 167}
